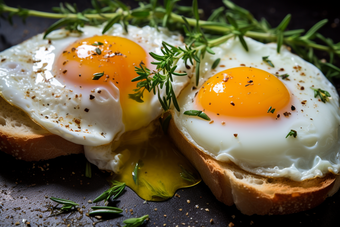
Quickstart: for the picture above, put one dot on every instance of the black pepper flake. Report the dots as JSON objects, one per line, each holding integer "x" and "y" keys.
{"x": 73, "y": 49}
{"x": 49, "y": 41}
{"x": 302, "y": 88}
{"x": 99, "y": 91}
{"x": 278, "y": 116}
{"x": 79, "y": 75}
{"x": 303, "y": 102}
{"x": 4, "y": 59}
{"x": 194, "y": 88}
{"x": 86, "y": 110}
{"x": 92, "y": 97}
{"x": 232, "y": 103}
{"x": 292, "y": 108}
{"x": 65, "y": 71}
{"x": 235, "y": 135}
{"x": 187, "y": 66}
{"x": 286, "y": 114}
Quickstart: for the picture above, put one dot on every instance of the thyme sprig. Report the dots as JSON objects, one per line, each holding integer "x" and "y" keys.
{"x": 68, "y": 205}
{"x": 114, "y": 191}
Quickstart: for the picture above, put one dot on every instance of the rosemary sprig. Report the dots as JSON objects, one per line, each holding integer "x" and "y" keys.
{"x": 68, "y": 205}
{"x": 229, "y": 21}
{"x": 114, "y": 191}
{"x": 135, "y": 222}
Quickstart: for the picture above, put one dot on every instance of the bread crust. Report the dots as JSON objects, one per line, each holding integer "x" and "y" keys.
{"x": 25, "y": 140}
{"x": 251, "y": 193}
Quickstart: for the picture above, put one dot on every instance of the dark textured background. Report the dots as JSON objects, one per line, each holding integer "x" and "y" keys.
{"x": 26, "y": 187}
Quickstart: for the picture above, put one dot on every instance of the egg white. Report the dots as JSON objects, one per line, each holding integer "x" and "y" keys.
{"x": 260, "y": 146}
{"x": 27, "y": 80}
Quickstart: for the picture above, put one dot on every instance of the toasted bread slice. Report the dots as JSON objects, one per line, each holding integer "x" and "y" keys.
{"x": 251, "y": 193}
{"x": 25, "y": 140}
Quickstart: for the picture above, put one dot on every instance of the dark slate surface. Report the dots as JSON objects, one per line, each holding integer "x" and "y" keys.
{"x": 26, "y": 187}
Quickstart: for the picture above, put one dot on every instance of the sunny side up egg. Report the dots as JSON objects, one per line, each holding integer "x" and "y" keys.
{"x": 78, "y": 86}
{"x": 253, "y": 108}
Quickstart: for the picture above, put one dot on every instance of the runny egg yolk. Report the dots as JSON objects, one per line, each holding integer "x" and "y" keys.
{"x": 108, "y": 62}
{"x": 243, "y": 92}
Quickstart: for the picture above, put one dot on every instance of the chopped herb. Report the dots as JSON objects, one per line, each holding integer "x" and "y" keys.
{"x": 97, "y": 76}
{"x": 135, "y": 222}
{"x": 115, "y": 190}
{"x": 292, "y": 133}
{"x": 271, "y": 110}
{"x": 324, "y": 95}
{"x": 88, "y": 170}
{"x": 97, "y": 44}
{"x": 216, "y": 62}
{"x": 98, "y": 51}
{"x": 197, "y": 113}
{"x": 158, "y": 192}
{"x": 284, "y": 76}
{"x": 267, "y": 61}
{"x": 68, "y": 205}
{"x": 188, "y": 176}
{"x": 135, "y": 173}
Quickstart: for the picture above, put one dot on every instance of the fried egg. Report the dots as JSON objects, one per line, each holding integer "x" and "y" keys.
{"x": 265, "y": 118}
{"x": 78, "y": 86}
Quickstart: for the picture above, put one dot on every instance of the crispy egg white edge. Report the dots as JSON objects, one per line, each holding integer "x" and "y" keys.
{"x": 313, "y": 153}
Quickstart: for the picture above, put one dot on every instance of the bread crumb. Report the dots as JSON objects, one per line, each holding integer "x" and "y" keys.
{"x": 180, "y": 209}
{"x": 155, "y": 209}
{"x": 188, "y": 201}
{"x": 211, "y": 221}
{"x": 231, "y": 224}
{"x": 206, "y": 209}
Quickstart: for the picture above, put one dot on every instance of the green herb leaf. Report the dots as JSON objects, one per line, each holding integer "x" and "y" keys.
{"x": 97, "y": 76}
{"x": 88, "y": 169}
{"x": 323, "y": 95}
{"x": 271, "y": 110}
{"x": 135, "y": 222}
{"x": 197, "y": 113}
{"x": 68, "y": 205}
{"x": 284, "y": 76}
{"x": 165, "y": 123}
{"x": 105, "y": 210}
{"x": 114, "y": 191}
{"x": 135, "y": 173}
{"x": 97, "y": 44}
{"x": 292, "y": 133}
{"x": 188, "y": 176}
{"x": 158, "y": 191}
{"x": 267, "y": 61}
{"x": 216, "y": 62}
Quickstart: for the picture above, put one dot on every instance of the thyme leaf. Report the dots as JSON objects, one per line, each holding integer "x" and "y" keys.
{"x": 267, "y": 61}
{"x": 292, "y": 133}
{"x": 197, "y": 113}
{"x": 323, "y": 95}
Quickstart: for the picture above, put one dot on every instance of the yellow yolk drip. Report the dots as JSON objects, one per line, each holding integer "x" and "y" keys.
{"x": 243, "y": 92}
{"x": 109, "y": 62}
{"x": 154, "y": 168}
